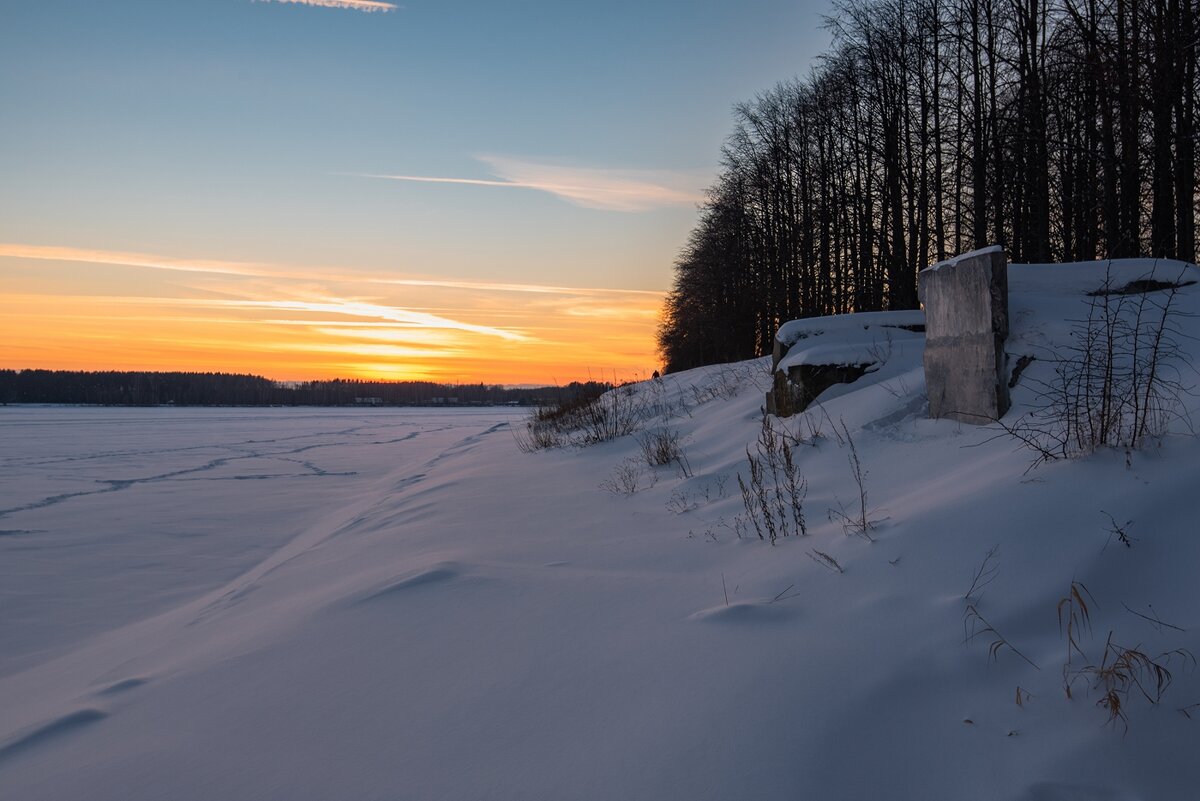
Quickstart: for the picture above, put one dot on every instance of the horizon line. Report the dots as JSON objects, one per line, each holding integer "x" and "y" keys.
{"x": 350, "y": 380}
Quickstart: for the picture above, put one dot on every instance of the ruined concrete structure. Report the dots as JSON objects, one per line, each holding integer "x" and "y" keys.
{"x": 962, "y": 329}
{"x": 966, "y": 324}
{"x": 813, "y": 354}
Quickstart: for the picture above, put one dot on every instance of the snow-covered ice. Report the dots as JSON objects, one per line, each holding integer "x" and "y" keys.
{"x": 400, "y": 604}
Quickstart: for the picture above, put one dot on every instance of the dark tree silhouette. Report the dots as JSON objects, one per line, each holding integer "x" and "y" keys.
{"x": 113, "y": 388}
{"x": 1062, "y": 129}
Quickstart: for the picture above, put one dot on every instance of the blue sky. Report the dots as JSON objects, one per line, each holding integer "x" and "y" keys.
{"x": 243, "y": 131}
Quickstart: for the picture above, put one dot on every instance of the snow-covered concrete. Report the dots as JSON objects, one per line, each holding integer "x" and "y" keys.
{"x": 844, "y": 327}
{"x": 813, "y": 353}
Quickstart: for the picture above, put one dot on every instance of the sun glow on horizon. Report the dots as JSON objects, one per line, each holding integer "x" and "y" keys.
{"x": 142, "y": 312}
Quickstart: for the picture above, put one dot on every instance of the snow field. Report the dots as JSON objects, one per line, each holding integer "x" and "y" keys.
{"x": 395, "y": 604}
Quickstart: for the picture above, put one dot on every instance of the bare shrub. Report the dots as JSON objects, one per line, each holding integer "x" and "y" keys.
{"x": 809, "y": 428}
{"x": 553, "y": 424}
{"x": 657, "y": 402}
{"x": 685, "y": 500}
{"x": 530, "y": 436}
{"x": 774, "y": 496}
{"x": 1118, "y": 383}
{"x": 614, "y": 414}
{"x": 663, "y": 446}
{"x": 726, "y": 382}
{"x": 857, "y": 521}
{"x": 881, "y": 352}
{"x": 898, "y": 389}
{"x": 708, "y": 535}
{"x": 584, "y": 420}
{"x": 628, "y": 477}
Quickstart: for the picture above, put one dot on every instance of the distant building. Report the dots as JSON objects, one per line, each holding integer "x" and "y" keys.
{"x": 368, "y": 401}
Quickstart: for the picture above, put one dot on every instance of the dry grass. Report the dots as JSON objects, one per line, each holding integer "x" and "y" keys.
{"x": 858, "y": 520}
{"x": 774, "y": 495}
{"x": 1126, "y": 673}
{"x": 825, "y": 560}
{"x": 1074, "y": 617}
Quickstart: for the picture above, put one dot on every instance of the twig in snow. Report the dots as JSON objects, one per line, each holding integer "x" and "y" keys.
{"x": 985, "y": 574}
{"x": 975, "y": 625}
{"x": 780, "y": 595}
{"x": 1154, "y": 621}
{"x": 1121, "y": 530}
{"x": 825, "y": 560}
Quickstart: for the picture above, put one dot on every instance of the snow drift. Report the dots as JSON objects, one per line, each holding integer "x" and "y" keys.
{"x": 386, "y": 604}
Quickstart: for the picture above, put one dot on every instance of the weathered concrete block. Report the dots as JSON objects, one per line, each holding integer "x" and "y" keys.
{"x": 966, "y": 323}
{"x": 794, "y": 391}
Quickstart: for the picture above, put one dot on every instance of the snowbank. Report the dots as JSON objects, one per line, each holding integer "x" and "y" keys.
{"x": 847, "y": 325}
{"x": 386, "y": 604}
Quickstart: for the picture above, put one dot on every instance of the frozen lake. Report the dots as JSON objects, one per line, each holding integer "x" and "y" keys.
{"x": 108, "y": 515}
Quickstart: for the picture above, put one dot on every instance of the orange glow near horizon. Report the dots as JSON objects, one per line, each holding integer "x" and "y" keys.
{"x": 75, "y": 309}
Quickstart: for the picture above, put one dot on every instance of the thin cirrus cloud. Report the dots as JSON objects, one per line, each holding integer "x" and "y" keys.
{"x": 245, "y": 269}
{"x": 416, "y": 324}
{"x": 392, "y": 314}
{"x": 536, "y": 289}
{"x": 598, "y": 188}
{"x": 354, "y": 5}
{"x": 127, "y": 259}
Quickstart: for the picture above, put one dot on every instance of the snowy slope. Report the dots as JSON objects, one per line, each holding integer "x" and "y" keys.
{"x": 396, "y": 604}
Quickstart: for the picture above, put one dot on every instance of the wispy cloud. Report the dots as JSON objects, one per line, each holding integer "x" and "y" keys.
{"x": 612, "y": 312}
{"x": 590, "y": 187}
{"x": 536, "y": 289}
{"x": 127, "y": 259}
{"x": 247, "y": 269}
{"x": 394, "y": 317}
{"x": 373, "y": 311}
{"x": 354, "y": 5}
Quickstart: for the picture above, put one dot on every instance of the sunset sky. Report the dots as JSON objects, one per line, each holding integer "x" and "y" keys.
{"x": 458, "y": 191}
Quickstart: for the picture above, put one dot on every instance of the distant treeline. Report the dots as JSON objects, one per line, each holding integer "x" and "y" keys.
{"x": 112, "y": 388}
{"x": 1065, "y": 130}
